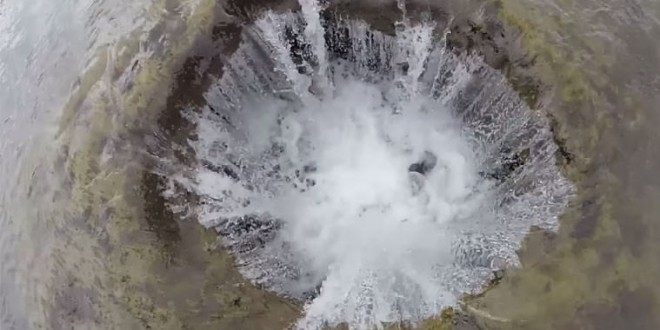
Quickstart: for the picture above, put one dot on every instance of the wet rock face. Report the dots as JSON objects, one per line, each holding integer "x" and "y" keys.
{"x": 254, "y": 231}
{"x": 506, "y": 167}
{"x": 382, "y": 15}
{"x": 249, "y": 10}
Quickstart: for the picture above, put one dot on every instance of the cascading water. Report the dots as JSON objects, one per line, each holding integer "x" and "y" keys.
{"x": 374, "y": 177}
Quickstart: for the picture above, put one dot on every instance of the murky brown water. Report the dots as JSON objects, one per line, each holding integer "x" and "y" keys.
{"x": 88, "y": 242}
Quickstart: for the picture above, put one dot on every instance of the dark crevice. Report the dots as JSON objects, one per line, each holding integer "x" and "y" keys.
{"x": 564, "y": 157}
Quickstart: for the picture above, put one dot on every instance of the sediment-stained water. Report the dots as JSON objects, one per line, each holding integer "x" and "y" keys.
{"x": 267, "y": 165}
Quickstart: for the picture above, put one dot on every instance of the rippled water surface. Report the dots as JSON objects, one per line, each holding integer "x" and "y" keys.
{"x": 250, "y": 165}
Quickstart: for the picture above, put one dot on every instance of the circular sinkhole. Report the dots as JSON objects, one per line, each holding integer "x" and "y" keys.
{"x": 373, "y": 177}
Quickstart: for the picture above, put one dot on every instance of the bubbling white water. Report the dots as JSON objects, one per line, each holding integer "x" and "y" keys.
{"x": 351, "y": 216}
{"x": 308, "y": 170}
{"x": 374, "y": 234}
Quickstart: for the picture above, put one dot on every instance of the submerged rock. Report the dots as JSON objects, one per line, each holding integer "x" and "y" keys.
{"x": 425, "y": 164}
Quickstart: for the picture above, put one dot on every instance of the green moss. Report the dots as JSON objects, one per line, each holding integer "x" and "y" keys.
{"x": 142, "y": 308}
{"x": 445, "y": 321}
{"x": 553, "y": 62}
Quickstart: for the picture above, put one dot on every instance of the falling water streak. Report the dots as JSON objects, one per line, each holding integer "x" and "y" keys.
{"x": 314, "y": 33}
{"x": 271, "y": 27}
{"x": 413, "y": 45}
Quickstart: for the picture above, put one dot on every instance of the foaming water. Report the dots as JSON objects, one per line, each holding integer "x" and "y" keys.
{"x": 369, "y": 232}
{"x": 376, "y": 178}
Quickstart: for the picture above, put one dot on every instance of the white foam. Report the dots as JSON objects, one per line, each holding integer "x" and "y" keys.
{"x": 365, "y": 233}
{"x": 374, "y": 239}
